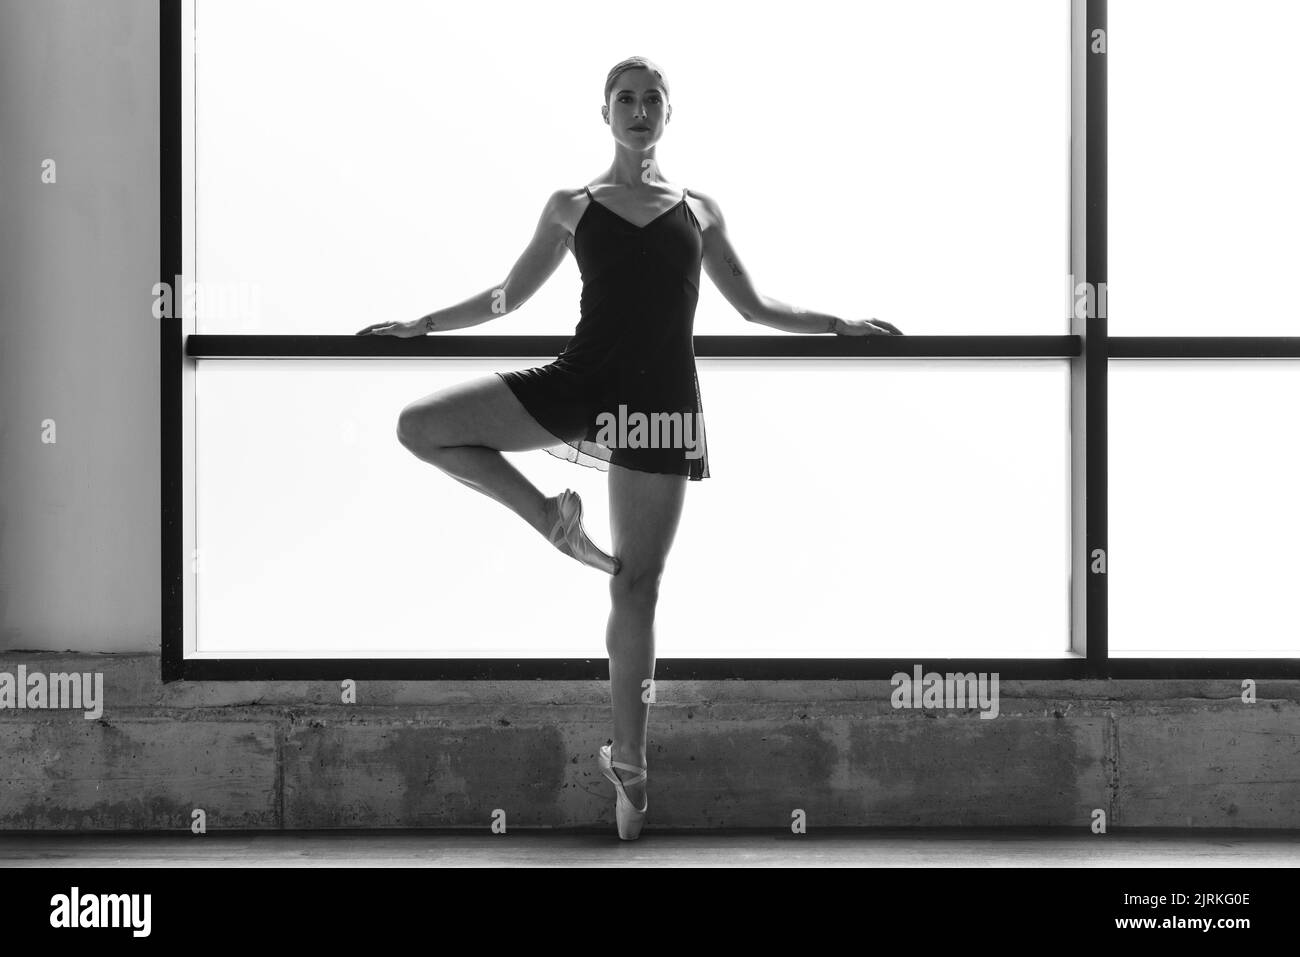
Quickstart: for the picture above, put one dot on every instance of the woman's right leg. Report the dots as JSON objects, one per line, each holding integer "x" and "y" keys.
{"x": 463, "y": 430}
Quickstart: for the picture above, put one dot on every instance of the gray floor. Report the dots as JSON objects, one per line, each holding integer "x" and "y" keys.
{"x": 595, "y": 849}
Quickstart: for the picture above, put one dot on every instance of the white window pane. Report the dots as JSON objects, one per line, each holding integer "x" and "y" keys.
{"x": 857, "y": 508}
{"x": 1203, "y": 509}
{"x": 1204, "y": 197}
{"x": 359, "y": 162}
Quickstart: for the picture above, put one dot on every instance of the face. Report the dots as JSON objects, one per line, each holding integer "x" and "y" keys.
{"x": 638, "y": 109}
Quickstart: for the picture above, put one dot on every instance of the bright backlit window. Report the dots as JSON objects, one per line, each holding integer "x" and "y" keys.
{"x": 858, "y": 509}
{"x": 359, "y": 162}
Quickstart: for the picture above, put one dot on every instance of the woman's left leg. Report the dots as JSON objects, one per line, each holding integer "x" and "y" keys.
{"x": 644, "y": 510}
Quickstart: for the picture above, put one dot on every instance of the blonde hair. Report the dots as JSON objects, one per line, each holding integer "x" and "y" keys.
{"x": 633, "y": 63}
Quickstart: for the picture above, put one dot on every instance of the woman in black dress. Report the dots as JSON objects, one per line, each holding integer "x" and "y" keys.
{"x": 623, "y": 396}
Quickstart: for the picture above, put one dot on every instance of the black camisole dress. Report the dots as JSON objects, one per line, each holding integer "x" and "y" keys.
{"x": 625, "y": 391}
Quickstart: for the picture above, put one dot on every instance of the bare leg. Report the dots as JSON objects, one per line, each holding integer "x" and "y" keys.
{"x": 464, "y": 429}
{"x": 645, "y": 509}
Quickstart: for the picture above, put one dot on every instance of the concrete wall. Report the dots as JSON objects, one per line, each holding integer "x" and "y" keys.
{"x": 79, "y": 562}
{"x": 723, "y": 754}
{"x": 79, "y": 523}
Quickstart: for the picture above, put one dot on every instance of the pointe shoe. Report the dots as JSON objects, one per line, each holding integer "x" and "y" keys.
{"x": 626, "y": 814}
{"x": 570, "y": 537}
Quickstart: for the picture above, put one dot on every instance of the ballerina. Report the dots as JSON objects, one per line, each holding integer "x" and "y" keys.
{"x": 640, "y": 243}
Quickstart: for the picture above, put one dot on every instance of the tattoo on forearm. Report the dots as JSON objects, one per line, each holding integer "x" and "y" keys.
{"x": 735, "y": 270}
{"x": 428, "y": 324}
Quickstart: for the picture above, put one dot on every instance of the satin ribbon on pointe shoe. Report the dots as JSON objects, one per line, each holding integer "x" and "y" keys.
{"x": 570, "y": 537}
{"x": 627, "y": 815}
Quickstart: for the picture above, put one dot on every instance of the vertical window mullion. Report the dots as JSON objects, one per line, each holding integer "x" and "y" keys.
{"x": 1087, "y": 304}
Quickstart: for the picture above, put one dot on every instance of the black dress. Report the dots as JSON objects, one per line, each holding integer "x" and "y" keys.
{"x": 625, "y": 390}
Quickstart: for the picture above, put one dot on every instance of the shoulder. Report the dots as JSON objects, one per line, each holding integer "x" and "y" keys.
{"x": 706, "y": 208}
{"x": 562, "y": 203}
{"x": 563, "y": 209}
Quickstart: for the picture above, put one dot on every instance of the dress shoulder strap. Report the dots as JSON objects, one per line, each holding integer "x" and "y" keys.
{"x": 588, "y": 192}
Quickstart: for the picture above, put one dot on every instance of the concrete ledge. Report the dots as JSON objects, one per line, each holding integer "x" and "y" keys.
{"x": 259, "y": 755}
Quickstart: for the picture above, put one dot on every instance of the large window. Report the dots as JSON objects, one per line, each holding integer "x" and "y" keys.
{"x": 366, "y": 161}
{"x": 853, "y": 512}
{"x": 940, "y": 497}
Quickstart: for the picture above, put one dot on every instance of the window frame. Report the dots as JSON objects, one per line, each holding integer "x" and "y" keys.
{"x": 1087, "y": 347}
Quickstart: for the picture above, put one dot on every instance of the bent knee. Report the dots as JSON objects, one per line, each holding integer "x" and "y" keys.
{"x": 418, "y": 427}
{"x": 409, "y": 431}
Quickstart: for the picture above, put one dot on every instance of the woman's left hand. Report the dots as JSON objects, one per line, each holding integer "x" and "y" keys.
{"x": 866, "y": 327}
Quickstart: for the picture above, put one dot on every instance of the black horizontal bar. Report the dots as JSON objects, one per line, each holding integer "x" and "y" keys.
{"x": 597, "y": 669}
{"x": 1233, "y": 669}
{"x": 719, "y": 669}
{"x": 725, "y": 347}
{"x": 1204, "y": 347}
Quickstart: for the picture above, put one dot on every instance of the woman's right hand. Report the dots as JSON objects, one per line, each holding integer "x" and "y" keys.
{"x": 404, "y": 330}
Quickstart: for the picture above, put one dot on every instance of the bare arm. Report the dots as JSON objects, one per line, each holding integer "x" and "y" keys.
{"x": 722, "y": 263}
{"x": 534, "y": 266}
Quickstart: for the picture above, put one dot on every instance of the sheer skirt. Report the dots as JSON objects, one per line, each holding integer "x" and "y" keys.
{"x": 597, "y": 422}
